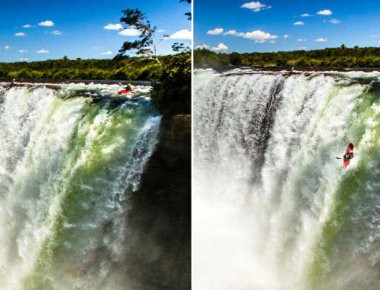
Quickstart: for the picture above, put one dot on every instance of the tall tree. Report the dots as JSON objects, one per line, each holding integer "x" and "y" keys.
{"x": 145, "y": 43}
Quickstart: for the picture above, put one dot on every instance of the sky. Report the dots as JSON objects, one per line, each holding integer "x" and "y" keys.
{"x": 34, "y": 30}
{"x": 280, "y": 25}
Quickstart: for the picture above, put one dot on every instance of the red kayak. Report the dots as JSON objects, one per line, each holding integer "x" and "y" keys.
{"x": 124, "y": 92}
{"x": 348, "y": 155}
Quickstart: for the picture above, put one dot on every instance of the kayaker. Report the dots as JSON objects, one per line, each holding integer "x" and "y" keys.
{"x": 348, "y": 155}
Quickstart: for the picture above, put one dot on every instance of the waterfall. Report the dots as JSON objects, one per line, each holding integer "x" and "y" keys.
{"x": 273, "y": 209}
{"x": 70, "y": 157}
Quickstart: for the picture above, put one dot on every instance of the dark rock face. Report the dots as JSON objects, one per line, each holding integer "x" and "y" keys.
{"x": 159, "y": 255}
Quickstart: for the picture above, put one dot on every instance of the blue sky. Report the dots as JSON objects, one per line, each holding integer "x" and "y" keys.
{"x": 76, "y": 28}
{"x": 274, "y": 25}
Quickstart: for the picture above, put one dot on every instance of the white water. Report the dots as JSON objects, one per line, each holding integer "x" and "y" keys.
{"x": 266, "y": 178}
{"x": 67, "y": 168}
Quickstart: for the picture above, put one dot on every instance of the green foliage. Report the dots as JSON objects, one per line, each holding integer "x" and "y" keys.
{"x": 235, "y": 58}
{"x": 204, "y": 58}
{"x": 144, "y": 44}
{"x": 180, "y": 47}
{"x": 136, "y": 68}
{"x": 171, "y": 94}
{"x": 340, "y": 57}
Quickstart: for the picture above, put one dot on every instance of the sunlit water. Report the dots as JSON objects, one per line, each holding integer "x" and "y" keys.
{"x": 70, "y": 158}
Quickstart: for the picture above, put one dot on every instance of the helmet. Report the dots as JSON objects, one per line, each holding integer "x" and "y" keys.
{"x": 351, "y": 146}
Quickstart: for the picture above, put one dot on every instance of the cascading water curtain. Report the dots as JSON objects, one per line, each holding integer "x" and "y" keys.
{"x": 68, "y": 163}
{"x": 273, "y": 209}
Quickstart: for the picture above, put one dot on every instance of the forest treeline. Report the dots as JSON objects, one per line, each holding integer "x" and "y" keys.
{"x": 121, "y": 68}
{"x": 170, "y": 77}
{"x": 340, "y": 57}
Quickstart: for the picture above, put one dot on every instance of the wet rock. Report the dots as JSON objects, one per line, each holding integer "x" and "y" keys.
{"x": 159, "y": 255}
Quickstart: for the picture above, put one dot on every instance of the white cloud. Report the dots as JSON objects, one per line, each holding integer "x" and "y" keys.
{"x": 286, "y": 36}
{"x": 321, "y": 39}
{"x": 255, "y": 6}
{"x": 130, "y": 32}
{"x": 46, "y": 23}
{"x": 43, "y": 51}
{"x": 22, "y": 51}
{"x": 306, "y": 15}
{"x": 299, "y": 23}
{"x": 302, "y": 48}
{"x": 182, "y": 34}
{"x": 230, "y": 32}
{"x": 26, "y": 26}
{"x": 258, "y": 36}
{"x": 23, "y": 59}
{"x": 111, "y": 26}
{"x": 7, "y": 47}
{"x": 221, "y": 46}
{"x": 334, "y": 21}
{"x": 301, "y": 39}
{"x": 202, "y": 46}
{"x": 20, "y": 34}
{"x": 325, "y": 12}
{"x": 56, "y": 32}
{"x": 215, "y": 31}
{"x": 108, "y": 52}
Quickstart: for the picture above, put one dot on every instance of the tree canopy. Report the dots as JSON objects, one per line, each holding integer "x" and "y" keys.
{"x": 125, "y": 68}
{"x": 144, "y": 44}
{"x": 340, "y": 57}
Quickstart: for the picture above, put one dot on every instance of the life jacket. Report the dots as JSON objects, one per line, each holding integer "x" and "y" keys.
{"x": 348, "y": 156}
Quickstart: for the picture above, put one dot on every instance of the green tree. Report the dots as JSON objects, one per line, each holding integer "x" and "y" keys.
{"x": 171, "y": 93}
{"x": 145, "y": 43}
{"x": 235, "y": 58}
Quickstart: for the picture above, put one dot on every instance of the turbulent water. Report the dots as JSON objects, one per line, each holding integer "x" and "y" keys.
{"x": 273, "y": 209}
{"x": 70, "y": 157}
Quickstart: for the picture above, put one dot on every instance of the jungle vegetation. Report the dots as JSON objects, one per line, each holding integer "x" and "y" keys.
{"x": 121, "y": 68}
{"x": 340, "y": 57}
